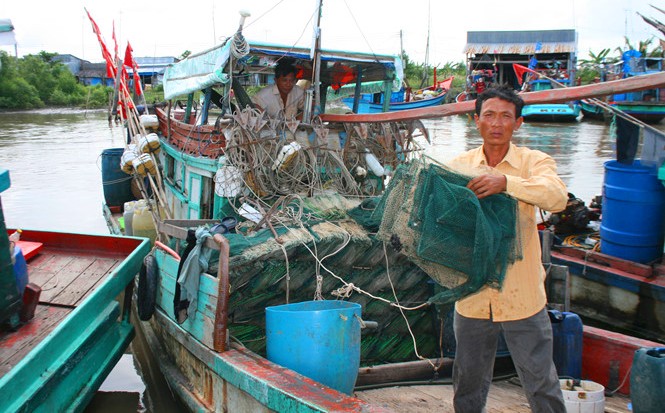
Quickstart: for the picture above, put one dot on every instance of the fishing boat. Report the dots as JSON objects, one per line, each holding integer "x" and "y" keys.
{"x": 590, "y": 110}
{"x": 63, "y": 328}
{"x": 645, "y": 105}
{"x": 373, "y": 103}
{"x": 255, "y": 216}
{"x": 549, "y": 112}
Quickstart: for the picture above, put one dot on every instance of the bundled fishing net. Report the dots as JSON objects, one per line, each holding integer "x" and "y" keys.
{"x": 462, "y": 242}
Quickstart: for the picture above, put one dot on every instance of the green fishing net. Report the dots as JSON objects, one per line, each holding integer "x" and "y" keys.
{"x": 462, "y": 242}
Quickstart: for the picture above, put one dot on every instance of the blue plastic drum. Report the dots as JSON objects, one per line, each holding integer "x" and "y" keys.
{"x": 318, "y": 339}
{"x": 633, "y": 220}
{"x": 117, "y": 184}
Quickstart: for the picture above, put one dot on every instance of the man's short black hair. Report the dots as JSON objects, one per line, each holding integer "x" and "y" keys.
{"x": 285, "y": 66}
{"x": 503, "y": 92}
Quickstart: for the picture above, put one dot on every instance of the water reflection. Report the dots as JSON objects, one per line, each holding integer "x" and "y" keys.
{"x": 54, "y": 158}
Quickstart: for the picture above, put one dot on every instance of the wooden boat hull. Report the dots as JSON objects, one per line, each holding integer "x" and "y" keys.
{"x": 625, "y": 295}
{"x": 58, "y": 360}
{"x": 205, "y": 140}
{"x": 644, "y": 111}
{"x": 649, "y": 112}
{"x": 368, "y": 107}
{"x": 591, "y": 111}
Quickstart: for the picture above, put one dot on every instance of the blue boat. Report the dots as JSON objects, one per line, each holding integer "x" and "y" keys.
{"x": 645, "y": 105}
{"x": 549, "y": 112}
{"x": 367, "y": 103}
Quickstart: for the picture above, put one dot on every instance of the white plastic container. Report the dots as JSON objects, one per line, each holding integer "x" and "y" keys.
{"x": 373, "y": 163}
{"x": 142, "y": 223}
{"x": 588, "y": 397}
{"x": 128, "y": 216}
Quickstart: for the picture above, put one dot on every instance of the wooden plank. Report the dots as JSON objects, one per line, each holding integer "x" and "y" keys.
{"x": 608, "y": 261}
{"x": 83, "y": 282}
{"x": 67, "y": 270}
{"x": 15, "y": 345}
{"x": 504, "y": 397}
{"x": 544, "y": 96}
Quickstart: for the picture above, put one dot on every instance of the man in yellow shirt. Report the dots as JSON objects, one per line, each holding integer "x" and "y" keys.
{"x": 518, "y": 308}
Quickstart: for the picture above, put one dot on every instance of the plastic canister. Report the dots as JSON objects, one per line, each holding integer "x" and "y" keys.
{"x": 567, "y": 331}
{"x": 20, "y": 270}
{"x": 128, "y": 215}
{"x": 647, "y": 380}
{"x": 318, "y": 339}
{"x": 142, "y": 223}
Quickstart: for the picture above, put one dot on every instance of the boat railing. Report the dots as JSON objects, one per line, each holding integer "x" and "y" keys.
{"x": 178, "y": 229}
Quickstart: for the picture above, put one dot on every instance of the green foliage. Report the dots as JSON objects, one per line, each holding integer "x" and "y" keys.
{"x": 35, "y": 81}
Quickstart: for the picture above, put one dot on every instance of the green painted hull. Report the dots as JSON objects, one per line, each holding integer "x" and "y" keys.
{"x": 63, "y": 372}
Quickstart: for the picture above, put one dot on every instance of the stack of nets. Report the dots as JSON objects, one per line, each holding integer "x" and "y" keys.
{"x": 460, "y": 241}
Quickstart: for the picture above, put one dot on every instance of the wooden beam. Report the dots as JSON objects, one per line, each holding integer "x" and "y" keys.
{"x": 594, "y": 90}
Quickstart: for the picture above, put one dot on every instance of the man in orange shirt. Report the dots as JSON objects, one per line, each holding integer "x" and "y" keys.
{"x": 518, "y": 308}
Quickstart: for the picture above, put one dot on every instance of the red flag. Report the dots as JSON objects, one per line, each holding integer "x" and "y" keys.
{"x": 115, "y": 44}
{"x": 110, "y": 65}
{"x": 128, "y": 56}
{"x": 130, "y": 62}
{"x": 520, "y": 71}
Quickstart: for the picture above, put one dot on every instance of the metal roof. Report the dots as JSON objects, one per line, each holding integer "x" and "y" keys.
{"x": 525, "y": 42}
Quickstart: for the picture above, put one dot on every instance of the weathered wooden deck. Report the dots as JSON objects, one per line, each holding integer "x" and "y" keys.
{"x": 66, "y": 277}
{"x": 505, "y": 397}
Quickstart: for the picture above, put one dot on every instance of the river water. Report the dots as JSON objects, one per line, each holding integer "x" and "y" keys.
{"x": 54, "y": 159}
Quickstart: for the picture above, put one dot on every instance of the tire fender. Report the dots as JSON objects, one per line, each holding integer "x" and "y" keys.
{"x": 146, "y": 294}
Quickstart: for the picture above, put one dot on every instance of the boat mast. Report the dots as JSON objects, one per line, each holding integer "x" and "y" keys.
{"x": 316, "y": 57}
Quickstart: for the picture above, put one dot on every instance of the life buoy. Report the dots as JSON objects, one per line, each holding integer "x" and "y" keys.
{"x": 146, "y": 294}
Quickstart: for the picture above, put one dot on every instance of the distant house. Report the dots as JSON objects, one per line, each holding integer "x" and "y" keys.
{"x": 496, "y": 51}
{"x": 151, "y": 69}
{"x": 86, "y": 73}
{"x": 72, "y": 62}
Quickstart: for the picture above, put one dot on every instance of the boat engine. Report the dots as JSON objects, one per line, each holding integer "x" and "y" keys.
{"x": 573, "y": 219}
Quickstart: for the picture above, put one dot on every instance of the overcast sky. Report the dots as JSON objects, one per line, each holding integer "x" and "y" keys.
{"x": 169, "y": 27}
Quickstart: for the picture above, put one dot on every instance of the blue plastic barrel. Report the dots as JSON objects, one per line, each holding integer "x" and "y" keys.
{"x": 647, "y": 380}
{"x": 567, "y": 344}
{"x": 117, "y": 184}
{"x": 633, "y": 221}
{"x": 318, "y": 339}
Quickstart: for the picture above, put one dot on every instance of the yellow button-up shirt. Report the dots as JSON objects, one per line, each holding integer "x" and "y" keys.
{"x": 531, "y": 178}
